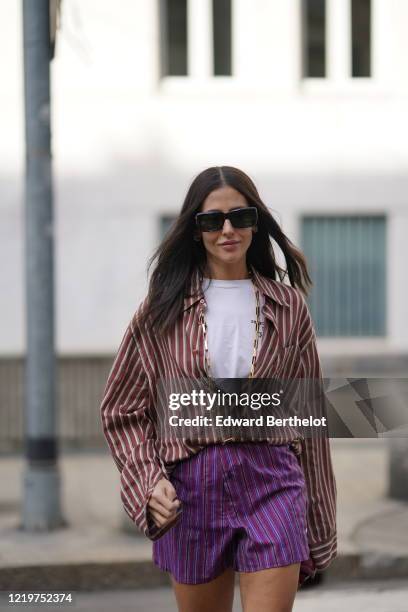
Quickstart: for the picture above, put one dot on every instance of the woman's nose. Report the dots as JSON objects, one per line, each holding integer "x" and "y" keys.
{"x": 228, "y": 227}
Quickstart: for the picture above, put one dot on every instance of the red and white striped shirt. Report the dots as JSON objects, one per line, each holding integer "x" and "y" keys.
{"x": 288, "y": 349}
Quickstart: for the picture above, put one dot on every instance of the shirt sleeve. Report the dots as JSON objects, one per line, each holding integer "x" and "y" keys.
{"x": 315, "y": 459}
{"x": 129, "y": 431}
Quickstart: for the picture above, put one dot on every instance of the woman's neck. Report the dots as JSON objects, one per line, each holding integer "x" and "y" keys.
{"x": 226, "y": 272}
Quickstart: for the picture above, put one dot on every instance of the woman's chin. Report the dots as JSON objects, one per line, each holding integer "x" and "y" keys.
{"x": 231, "y": 261}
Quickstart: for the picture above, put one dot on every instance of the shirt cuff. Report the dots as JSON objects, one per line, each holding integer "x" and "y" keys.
{"x": 136, "y": 506}
{"x": 323, "y": 553}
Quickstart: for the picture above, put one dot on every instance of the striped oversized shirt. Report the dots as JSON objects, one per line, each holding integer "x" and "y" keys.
{"x": 288, "y": 349}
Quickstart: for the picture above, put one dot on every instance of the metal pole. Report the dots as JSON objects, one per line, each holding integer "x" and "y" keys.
{"x": 41, "y": 482}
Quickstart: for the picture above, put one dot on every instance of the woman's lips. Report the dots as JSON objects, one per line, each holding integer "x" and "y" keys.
{"x": 229, "y": 245}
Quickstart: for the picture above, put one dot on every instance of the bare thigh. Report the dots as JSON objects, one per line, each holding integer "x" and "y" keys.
{"x": 214, "y": 596}
{"x": 269, "y": 590}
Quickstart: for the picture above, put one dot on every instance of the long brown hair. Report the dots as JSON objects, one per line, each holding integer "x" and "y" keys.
{"x": 179, "y": 254}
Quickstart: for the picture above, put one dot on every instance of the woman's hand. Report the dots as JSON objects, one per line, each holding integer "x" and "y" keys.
{"x": 307, "y": 570}
{"x": 163, "y": 503}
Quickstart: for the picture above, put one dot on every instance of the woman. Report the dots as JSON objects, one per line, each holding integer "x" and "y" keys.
{"x": 265, "y": 509}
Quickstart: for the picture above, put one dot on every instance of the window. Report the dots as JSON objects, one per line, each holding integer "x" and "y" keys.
{"x": 314, "y": 19}
{"x": 346, "y": 257}
{"x": 175, "y": 23}
{"x": 173, "y": 14}
{"x": 166, "y": 222}
{"x": 350, "y": 20}
{"x": 361, "y": 37}
{"x": 222, "y": 37}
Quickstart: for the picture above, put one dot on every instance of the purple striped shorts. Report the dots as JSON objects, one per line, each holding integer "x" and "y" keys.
{"x": 244, "y": 506}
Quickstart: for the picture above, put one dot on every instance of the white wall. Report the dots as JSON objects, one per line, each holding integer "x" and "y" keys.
{"x": 127, "y": 146}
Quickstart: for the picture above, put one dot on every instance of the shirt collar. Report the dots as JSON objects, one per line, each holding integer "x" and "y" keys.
{"x": 267, "y": 286}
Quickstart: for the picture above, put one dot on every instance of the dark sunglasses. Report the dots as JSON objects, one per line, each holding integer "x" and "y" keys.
{"x": 214, "y": 221}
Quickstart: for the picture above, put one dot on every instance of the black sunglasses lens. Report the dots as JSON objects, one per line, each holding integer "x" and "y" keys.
{"x": 245, "y": 217}
{"x": 214, "y": 221}
{"x": 211, "y": 222}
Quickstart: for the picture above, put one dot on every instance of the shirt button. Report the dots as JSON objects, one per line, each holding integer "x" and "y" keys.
{"x": 201, "y": 301}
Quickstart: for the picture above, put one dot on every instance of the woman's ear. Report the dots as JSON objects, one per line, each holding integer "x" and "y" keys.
{"x": 197, "y": 236}
{"x": 255, "y": 229}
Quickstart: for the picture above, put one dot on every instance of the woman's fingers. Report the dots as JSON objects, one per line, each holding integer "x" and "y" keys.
{"x": 164, "y": 507}
{"x": 168, "y": 489}
{"x": 163, "y": 503}
{"x": 164, "y": 497}
{"x": 159, "y": 519}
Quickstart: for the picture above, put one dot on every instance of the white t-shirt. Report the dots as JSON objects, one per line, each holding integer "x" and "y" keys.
{"x": 231, "y": 317}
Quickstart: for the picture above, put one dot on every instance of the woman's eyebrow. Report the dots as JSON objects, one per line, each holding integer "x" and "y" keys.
{"x": 218, "y": 210}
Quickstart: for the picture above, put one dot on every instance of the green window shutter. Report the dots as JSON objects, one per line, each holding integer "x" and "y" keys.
{"x": 346, "y": 256}
{"x": 166, "y": 221}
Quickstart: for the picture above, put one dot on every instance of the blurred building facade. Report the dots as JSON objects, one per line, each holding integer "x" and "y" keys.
{"x": 308, "y": 97}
